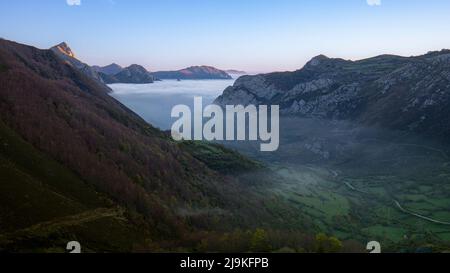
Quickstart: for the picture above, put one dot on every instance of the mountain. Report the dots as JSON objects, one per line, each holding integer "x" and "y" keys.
{"x": 401, "y": 93}
{"x": 193, "y": 73}
{"x": 112, "y": 73}
{"x": 75, "y": 164}
{"x": 111, "y": 69}
{"x": 134, "y": 74}
{"x": 137, "y": 74}
{"x": 65, "y": 53}
{"x": 236, "y": 72}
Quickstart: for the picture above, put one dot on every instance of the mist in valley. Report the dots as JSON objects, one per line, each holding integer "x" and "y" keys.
{"x": 361, "y": 182}
{"x": 338, "y": 177}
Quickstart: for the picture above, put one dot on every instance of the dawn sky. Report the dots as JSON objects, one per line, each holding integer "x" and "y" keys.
{"x": 251, "y": 35}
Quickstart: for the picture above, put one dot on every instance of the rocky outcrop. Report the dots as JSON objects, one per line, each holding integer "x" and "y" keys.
{"x": 391, "y": 91}
{"x": 64, "y": 52}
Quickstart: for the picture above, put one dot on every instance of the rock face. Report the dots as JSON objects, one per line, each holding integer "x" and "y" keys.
{"x": 391, "y": 91}
{"x": 134, "y": 74}
{"x": 64, "y": 49}
{"x": 194, "y": 73}
{"x": 64, "y": 52}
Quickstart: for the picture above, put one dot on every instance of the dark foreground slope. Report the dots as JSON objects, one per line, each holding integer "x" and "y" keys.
{"x": 108, "y": 150}
{"x": 76, "y": 163}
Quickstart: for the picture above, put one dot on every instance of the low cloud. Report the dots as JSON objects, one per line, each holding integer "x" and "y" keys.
{"x": 374, "y": 2}
{"x": 73, "y": 2}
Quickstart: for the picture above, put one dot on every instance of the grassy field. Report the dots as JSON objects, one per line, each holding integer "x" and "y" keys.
{"x": 363, "y": 208}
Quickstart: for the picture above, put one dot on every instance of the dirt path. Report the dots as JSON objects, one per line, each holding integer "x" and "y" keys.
{"x": 72, "y": 220}
{"x": 399, "y": 206}
{"x": 420, "y": 216}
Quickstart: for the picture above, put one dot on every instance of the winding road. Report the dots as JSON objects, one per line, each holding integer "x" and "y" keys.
{"x": 420, "y": 216}
{"x": 399, "y": 206}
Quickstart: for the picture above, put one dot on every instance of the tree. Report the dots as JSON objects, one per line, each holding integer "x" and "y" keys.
{"x": 259, "y": 241}
{"x": 325, "y": 244}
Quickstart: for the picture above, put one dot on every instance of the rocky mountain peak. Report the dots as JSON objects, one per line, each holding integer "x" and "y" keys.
{"x": 111, "y": 69}
{"x": 65, "y": 49}
{"x": 65, "y": 53}
{"x": 136, "y": 67}
{"x": 317, "y": 60}
{"x": 133, "y": 74}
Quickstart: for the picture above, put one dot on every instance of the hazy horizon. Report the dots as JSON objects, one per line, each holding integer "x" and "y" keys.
{"x": 253, "y": 36}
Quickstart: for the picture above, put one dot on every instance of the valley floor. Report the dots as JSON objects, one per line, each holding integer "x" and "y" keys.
{"x": 364, "y": 184}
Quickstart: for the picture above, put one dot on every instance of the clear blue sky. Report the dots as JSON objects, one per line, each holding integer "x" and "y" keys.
{"x": 253, "y": 35}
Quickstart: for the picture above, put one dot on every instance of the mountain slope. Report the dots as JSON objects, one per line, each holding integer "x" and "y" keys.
{"x": 193, "y": 73}
{"x": 411, "y": 94}
{"x": 38, "y": 193}
{"x": 70, "y": 151}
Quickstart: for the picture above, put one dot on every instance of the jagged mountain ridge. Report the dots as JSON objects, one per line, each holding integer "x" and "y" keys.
{"x": 111, "y": 69}
{"x": 402, "y": 93}
{"x": 133, "y": 74}
{"x": 136, "y": 74}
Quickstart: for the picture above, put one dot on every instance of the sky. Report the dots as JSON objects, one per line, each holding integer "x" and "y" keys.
{"x": 250, "y": 35}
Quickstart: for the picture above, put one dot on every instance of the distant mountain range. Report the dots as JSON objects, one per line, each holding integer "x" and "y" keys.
{"x": 193, "y": 73}
{"x": 111, "y": 69}
{"x": 114, "y": 73}
{"x": 135, "y": 74}
{"x": 236, "y": 72}
{"x": 411, "y": 94}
